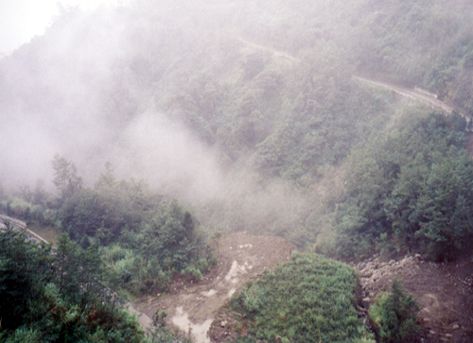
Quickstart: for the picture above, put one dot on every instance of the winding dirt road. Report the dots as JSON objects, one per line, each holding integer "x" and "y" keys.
{"x": 21, "y": 226}
{"x": 276, "y": 53}
{"x": 411, "y": 93}
{"x": 415, "y": 93}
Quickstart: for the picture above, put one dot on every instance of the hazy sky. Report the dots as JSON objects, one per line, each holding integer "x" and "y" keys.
{"x": 21, "y": 20}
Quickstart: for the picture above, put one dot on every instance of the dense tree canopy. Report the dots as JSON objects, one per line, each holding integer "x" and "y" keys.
{"x": 409, "y": 191}
{"x": 57, "y": 297}
{"x": 145, "y": 239}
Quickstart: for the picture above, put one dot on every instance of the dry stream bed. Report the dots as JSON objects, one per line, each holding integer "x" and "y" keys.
{"x": 241, "y": 258}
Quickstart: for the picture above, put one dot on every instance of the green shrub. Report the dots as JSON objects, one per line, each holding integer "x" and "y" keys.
{"x": 192, "y": 273}
{"x": 394, "y": 316}
{"x": 22, "y": 335}
{"x": 57, "y": 297}
{"x": 144, "y": 238}
{"x": 309, "y": 299}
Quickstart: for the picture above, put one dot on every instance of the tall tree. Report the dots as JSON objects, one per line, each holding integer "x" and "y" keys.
{"x": 66, "y": 179}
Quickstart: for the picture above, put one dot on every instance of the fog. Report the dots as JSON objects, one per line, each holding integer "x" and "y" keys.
{"x": 200, "y": 99}
{"x": 73, "y": 92}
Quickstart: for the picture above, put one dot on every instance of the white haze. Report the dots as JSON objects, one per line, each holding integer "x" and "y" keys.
{"x": 69, "y": 106}
{"x": 21, "y": 20}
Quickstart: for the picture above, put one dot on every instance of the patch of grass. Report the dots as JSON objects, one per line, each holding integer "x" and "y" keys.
{"x": 309, "y": 299}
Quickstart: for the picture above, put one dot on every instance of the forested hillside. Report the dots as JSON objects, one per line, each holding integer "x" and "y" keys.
{"x": 145, "y": 132}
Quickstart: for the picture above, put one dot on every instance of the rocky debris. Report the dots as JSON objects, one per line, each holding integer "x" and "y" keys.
{"x": 443, "y": 291}
{"x": 223, "y": 329}
{"x": 375, "y": 273}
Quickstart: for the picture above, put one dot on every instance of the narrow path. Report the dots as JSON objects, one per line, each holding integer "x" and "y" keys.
{"x": 276, "y": 53}
{"x": 416, "y": 94}
{"x": 21, "y": 226}
{"x": 242, "y": 257}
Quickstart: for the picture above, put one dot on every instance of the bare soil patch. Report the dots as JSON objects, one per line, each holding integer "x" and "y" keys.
{"x": 443, "y": 291}
{"x": 241, "y": 258}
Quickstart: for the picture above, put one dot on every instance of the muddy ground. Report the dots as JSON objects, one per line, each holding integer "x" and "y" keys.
{"x": 443, "y": 291}
{"x": 241, "y": 258}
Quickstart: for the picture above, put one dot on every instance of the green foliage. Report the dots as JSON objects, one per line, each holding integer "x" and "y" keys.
{"x": 66, "y": 178}
{"x": 57, "y": 297}
{"x": 28, "y": 209}
{"x": 320, "y": 132}
{"x": 103, "y": 213}
{"x": 78, "y": 271}
{"x": 310, "y": 120}
{"x": 145, "y": 239}
{"x": 159, "y": 318}
{"x": 394, "y": 315}
{"x": 24, "y": 267}
{"x": 444, "y": 208}
{"x": 309, "y": 299}
{"x": 22, "y": 335}
{"x": 423, "y": 43}
{"x": 287, "y": 106}
{"x": 411, "y": 190}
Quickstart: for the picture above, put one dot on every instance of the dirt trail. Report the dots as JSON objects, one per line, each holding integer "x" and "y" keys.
{"x": 411, "y": 93}
{"x": 21, "y": 226}
{"x": 443, "y": 291}
{"x": 416, "y": 93}
{"x": 277, "y": 53}
{"x": 241, "y": 257}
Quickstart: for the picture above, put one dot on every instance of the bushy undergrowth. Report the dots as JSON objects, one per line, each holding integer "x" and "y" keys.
{"x": 309, "y": 299}
{"x": 394, "y": 315}
{"x": 145, "y": 239}
{"x": 57, "y": 297}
